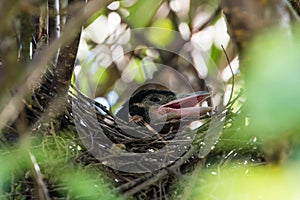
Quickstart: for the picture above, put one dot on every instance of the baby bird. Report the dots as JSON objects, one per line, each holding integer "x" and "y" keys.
{"x": 155, "y": 115}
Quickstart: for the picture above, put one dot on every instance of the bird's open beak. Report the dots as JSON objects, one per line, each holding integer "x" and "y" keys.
{"x": 187, "y": 105}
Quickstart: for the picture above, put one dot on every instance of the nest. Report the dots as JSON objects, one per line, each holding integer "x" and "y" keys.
{"x": 93, "y": 119}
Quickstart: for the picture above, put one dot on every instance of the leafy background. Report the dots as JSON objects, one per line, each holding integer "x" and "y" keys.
{"x": 257, "y": 156}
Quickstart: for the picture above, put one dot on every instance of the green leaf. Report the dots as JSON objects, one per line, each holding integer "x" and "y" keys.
{"x": 87, "y": 184}
{"x": 14, "y": 161}
{"x": 136, "y": 69}
{"x": 100, "y": 76}
{"x": 236, "y": 182}
{"x": 273, "y": 83}
{"x": 161, "y": 34}
{"x": 141, "y": 12}
{"x": 95, "y": 16}
{"x": 215, "y": 56}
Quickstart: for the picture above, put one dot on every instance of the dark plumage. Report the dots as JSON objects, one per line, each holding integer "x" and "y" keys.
{"x": 156, "y": 115}
{"x": 138, "y": 108}
{"x": 146, "y": 104}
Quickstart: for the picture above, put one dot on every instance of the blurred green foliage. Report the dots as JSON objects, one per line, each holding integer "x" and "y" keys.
{"x": 271, "y": 68}
{"x": 136, "y": 70}
{"x": 235, "y": 182}
{"x": 267, "y": 127}
{"x": 56, "y": 156}
{"x": 272, "y": 75}
{"x": 162, "y": 34}
{"x": 142, "y": 12}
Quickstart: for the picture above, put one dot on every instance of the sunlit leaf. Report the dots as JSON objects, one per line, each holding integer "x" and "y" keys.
{"x": 136, "y": 70}
{"x": 247, "y": 183}
{"x": 95, "y": 16}
{"x": 100, "y": 76}
{"x": 273, "y": 82}
{"x": 53, "y": 156}
{"x": 141, "y": 12}
{"x": 215, "y": 56}
{"x": 83, "y": 184}
{"x": 13, "y": 162}
{"x": 162, "y": 34}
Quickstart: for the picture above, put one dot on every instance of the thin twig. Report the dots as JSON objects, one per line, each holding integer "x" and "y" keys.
{"x": 163, "y": 173}
{"x": 233, "y": 81}
{"x": 210, "y": 19}
{"x": 41, "y": 187}
{"x": 39, "y": 64}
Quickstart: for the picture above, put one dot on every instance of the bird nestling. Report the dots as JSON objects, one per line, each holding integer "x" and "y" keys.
{"x": 160, "y": 112}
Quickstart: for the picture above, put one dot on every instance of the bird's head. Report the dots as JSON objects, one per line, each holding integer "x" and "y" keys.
{"x": 144, "y": 104}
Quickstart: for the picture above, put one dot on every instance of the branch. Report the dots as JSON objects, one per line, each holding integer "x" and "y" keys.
{"x": 38, "y": 66}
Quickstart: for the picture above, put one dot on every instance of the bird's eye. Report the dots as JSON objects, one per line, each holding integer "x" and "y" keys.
{"x": 155, "y": 99}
